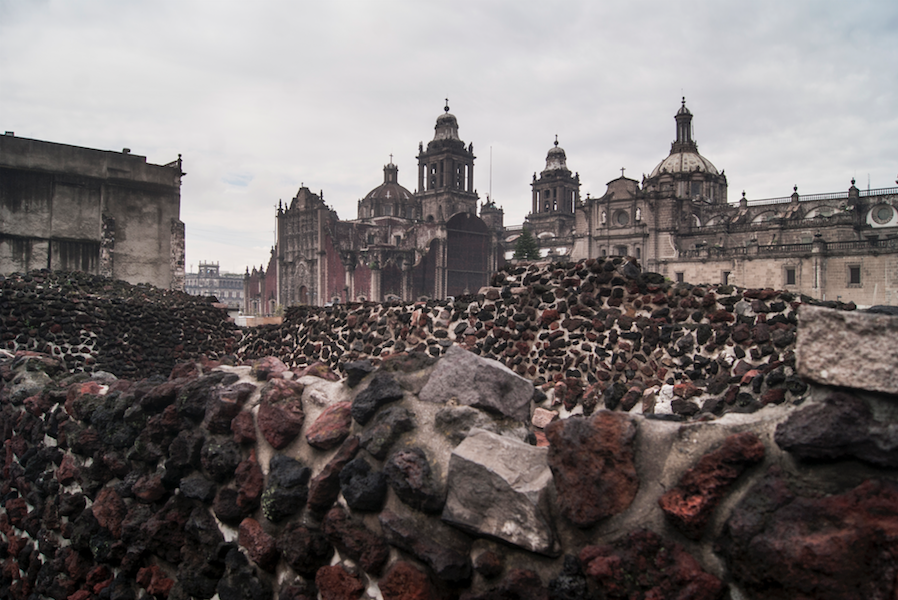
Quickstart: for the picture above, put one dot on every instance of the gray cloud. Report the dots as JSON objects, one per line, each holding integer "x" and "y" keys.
{"x": 262, "y": 97}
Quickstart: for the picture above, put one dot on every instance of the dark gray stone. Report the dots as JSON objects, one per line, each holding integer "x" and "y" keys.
{"x": 363, "y": 488}
{"x": 382, "y": 390}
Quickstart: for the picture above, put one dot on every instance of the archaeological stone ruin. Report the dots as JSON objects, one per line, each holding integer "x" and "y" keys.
{"x": 572, "y": 431}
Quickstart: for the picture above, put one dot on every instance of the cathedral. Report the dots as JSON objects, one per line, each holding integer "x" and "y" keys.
{"x": 677, "y": 221}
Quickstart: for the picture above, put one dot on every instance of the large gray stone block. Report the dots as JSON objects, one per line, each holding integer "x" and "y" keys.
{"x": 848, "y": 349}
{"x": 498, "y": 487}
{"x": 487, "y": 384}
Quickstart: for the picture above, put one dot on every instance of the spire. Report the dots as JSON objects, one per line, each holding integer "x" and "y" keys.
{"x": 684, "y": 130}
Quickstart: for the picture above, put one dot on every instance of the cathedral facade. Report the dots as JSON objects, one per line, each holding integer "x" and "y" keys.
{"x": 677, "y": 221}
{"x": 402, "y": 245}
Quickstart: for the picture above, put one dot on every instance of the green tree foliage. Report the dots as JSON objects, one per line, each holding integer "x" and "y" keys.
{"x": 526, "y": 246}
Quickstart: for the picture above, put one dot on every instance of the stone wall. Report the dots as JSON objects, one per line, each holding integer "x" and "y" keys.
{"x": 92, "y": 323}
{"x": 588, "y": 334}
{"x": 442, "y": 474}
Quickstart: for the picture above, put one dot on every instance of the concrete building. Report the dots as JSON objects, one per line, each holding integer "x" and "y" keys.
{"x": 210, "y": 281}
{"x": 109, "y": 213}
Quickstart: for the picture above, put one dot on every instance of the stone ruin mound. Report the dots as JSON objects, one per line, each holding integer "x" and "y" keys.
{"x": 388, "y": 457}
{"x": 598, "y": 333}
{"x": 93, "y": 323}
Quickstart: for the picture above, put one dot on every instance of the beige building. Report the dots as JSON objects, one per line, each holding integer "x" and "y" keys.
{"x": 677, "y": 222}
{"x": 77, "y": 209}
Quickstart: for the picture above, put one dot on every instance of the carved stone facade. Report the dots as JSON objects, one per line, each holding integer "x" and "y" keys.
{"x": 403, "y": 245}
{"x": 77, "y": 209}
{"x": 677, "y": 222}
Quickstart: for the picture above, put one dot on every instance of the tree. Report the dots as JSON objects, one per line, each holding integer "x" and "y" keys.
{"x": 526, "y": 247}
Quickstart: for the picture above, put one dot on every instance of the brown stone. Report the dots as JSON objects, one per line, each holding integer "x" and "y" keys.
{"x": 781, "y": 546}
{"x": 280, "y": 414}
{"x": 260, "y": 546}
{"x": 244, "y": 428}
{"x": 331, "y": 427}
{"x": 356, "y": 541}
{"x": 334, "y": 583}
{"x": 405, "y": 582}
{"x": 109, "y": 509}
{"x": 691, "y": 503}
{"x": 592, "y": 461}
{"x": 325, "y": 487}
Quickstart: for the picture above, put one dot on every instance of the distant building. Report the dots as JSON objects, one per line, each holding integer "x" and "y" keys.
{"x": 209, "y": 281}
{"x": 78, "y": 209}
{"x": 406, "y": 245}
{"x": 676, "y": 221}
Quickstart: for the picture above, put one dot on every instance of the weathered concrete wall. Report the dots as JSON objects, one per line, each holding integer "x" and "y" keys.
{"x": 57, "y": 204}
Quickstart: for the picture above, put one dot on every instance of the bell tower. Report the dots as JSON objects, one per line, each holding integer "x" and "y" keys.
{"x": 446, "y": 172}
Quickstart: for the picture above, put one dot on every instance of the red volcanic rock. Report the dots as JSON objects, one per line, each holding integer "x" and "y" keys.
{"x": 154, "y": 581}
{"x": 250, "y": 483}
{"x": 355, "y": 541}
{"x": 405, "y": 582}
{"x": 280, "y": 412}
{"x": 149, "y": 488}
{"x": 325, "y": 487}
{"x": 68, "y": 471}
{"x": 244, "y": 428}
{"x": 260, "y": 546}
{"x": 643, "y": 565}
{"x": 269, "y": 367}
{"x": 549, "y": 315}
{"x": 773, "y": 396}
{"x": 779, "y": 546}
{"x": 686, "y": 390}
{"x": 331, "y": 427}
{"x": 722, "y": 316}
{"x": 690, "y": 504}
{"x": 75, "y": 391}
{"x": 334, "y": 583}
{"x": 226, "y": 404}
{"x": 318, "y": 369}
{"x": 592, "y": 463}
{"x": 109, "y": 509}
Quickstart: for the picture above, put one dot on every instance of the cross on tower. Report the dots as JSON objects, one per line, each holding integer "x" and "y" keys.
{"x": 622, "y": 171}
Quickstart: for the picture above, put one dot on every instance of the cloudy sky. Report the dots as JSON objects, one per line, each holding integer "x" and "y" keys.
{"x": 261, "y": 97}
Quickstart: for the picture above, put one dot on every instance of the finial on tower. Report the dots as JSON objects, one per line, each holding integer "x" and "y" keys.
{"x": 556, "y": 139}
{"x": 446, "y": 108}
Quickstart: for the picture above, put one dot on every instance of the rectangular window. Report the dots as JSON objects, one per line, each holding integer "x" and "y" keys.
{"x": 679, "y": 277}
{"x": 854, "y": 275}
{"x": 790, "y": 275}
{"x": 725, "y": 278}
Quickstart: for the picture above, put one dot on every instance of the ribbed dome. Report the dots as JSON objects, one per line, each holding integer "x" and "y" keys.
{"x": 684, "y": 162}
{"x": 390, "y": 188}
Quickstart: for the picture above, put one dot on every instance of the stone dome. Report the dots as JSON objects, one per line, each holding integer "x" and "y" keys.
{"x": 446, "y": 127}
{"x": 390, "y": 188}
{"x": 684, "y": 162}
{"x": 556, "y": 159}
